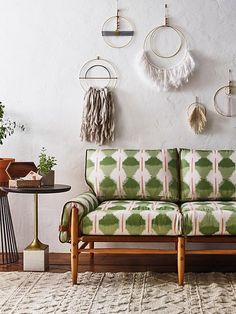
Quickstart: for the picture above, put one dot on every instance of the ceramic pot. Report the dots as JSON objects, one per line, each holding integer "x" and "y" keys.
{"x": 48, "y": 178}
{"x": 4, "y": 178}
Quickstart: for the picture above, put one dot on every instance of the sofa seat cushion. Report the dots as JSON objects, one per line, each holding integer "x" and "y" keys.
{"x": 209, "y": 218}
{"x": 133, "y": 218}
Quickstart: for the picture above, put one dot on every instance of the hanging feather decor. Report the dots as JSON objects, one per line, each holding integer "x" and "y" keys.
{"x": 197, "y": 117}
{"x": 98, "y": 116}
{"x": 166, "y": 78}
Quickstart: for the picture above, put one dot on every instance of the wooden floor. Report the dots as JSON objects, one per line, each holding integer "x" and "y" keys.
{"x": 60, "y": 262}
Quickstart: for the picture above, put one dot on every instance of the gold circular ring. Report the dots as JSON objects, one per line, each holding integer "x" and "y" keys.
{"x": 121, "y": 18}
{"x": 215, "y": 103}
{"x": 109, "y": 67}
{"x": 155, "y": 30}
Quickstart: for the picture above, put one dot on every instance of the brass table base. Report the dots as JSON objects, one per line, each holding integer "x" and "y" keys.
{"x": 36, "y": 245}
{"x": 36, "y": 254}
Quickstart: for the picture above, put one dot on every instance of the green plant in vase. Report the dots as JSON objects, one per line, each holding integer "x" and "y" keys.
{"x": 7, "y": 128}
{"x": 45, "y": 168}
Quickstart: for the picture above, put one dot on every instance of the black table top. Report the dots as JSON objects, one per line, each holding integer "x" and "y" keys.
{"x": 57, "y": 188}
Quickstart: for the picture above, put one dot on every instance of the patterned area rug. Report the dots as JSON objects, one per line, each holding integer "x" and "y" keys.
{"x": 117, "y": 293}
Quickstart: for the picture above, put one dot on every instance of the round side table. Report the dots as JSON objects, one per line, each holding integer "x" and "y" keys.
{"x": 36, "y": 253}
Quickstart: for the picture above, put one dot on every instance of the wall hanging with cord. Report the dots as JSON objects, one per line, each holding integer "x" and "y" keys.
{"x": 98, "y": 78}
{"x": 225, "y": 92}
{"x": 165, "y": 77}
{"x": 117, "y": 31}
{"x": 197, "y": 116}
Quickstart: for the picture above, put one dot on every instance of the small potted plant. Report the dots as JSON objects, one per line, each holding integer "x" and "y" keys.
{"x": 7, "y": 128}
{"x": 45, "y": 168}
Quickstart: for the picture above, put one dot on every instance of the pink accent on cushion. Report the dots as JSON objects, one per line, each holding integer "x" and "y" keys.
{"x": 165, "y": 168}
{"x": 119, "y": 173}
{"x": 214, "y": 173}
{"x": 192, "y": 170}
{"x": 141, "y": 170}
{"x": 122, "y": 223}
{"x": 149, "y": 224}
{"x": 96, "y": 173}
{"x": 95, "y": 224}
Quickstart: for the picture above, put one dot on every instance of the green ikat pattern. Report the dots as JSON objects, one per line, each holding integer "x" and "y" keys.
{"x": 85, "y": 203}
{"x": 133, "y": 218}
{"x": 209, "y": 218}
{"x": 133, "y": 174}
{"x": 208, "y": 174}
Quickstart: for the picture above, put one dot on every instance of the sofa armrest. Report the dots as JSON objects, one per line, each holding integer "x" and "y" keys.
{"x": 85, "y": 202}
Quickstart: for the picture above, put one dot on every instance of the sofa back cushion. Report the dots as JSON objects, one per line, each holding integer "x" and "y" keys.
{"x": 133, "y": 174}
{"x": 208, "y": 174}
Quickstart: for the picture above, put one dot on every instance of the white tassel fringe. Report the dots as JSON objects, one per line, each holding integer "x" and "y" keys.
{"x": 164, "y": 79}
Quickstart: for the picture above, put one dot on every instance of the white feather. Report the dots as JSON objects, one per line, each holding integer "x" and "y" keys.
{"x": 166, "y": 78}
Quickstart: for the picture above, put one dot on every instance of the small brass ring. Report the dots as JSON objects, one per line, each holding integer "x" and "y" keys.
{"x": 112, "y": 80}
{"x": 120, "y": 17}
{"x": 215, "y": 104}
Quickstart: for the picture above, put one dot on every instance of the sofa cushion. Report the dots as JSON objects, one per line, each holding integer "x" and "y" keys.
{"x": 208, "y": 174}
{"x": 209, "y": 218}
{"x": 133, "y": 174}
{"x": 133, "y": 218}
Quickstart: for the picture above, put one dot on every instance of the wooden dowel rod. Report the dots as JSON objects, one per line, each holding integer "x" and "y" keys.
{"x": 126, "y": 251}
{"x": 224, "y": 252}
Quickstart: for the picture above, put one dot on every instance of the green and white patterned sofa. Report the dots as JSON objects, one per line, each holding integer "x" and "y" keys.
{"x": 153, "y": 196}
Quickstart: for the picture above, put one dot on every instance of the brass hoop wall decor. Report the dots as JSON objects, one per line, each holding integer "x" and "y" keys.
{"x": 164, "y": 77}
{"x": 228, "y": 89}
{"x": 111, "y": 76}
{"x": 117, "y": 32}
{"x": 157, "y": 29}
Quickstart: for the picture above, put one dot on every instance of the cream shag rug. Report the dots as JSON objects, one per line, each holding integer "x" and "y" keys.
{"x": 117, "y": 293}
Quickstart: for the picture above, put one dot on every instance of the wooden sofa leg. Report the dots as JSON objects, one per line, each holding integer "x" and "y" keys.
{"x": 74, "y": 245}
{"x": 181, "y": 260}
{"x": 91, "y": 246}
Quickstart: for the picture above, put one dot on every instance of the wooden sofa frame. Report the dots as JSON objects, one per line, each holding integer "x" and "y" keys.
{"x": 87, "y": 246}
{"x": 88, "y": 240}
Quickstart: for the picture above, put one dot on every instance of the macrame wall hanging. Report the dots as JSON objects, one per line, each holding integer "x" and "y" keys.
{"x": 224, "y": 99}
{"x": 164, "y": 76}
{"x": 98, "y": 78}
{"x": 197, "y": 117}
{"x": 117, "y": 31}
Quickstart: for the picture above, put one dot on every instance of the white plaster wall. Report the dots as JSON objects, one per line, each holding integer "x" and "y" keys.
{"x": 43, "y": 45}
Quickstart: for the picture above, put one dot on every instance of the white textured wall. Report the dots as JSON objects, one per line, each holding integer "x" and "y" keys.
{"x": 43, "y": 45}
